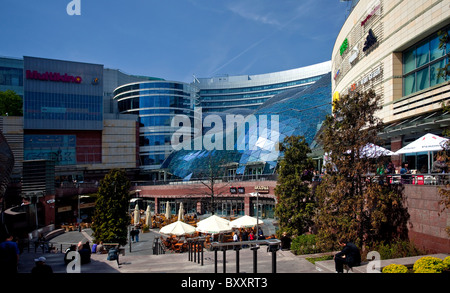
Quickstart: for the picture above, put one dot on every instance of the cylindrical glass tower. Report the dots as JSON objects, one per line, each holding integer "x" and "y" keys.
{"x": 156, "y": 103}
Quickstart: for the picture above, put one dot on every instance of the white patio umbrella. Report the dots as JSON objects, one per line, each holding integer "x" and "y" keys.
{"x": 177, "y": 228}
{"x": 168, "y": 211}
{"x": 147, "y": 216}
{"x": 245, "y": 222}
{"x": 427, "y": 143}
{"x": 371, "y": 150}
{"x": 214, "y": 225}
{"x": 181, "y": 212}
{"x": 137, "y": 214}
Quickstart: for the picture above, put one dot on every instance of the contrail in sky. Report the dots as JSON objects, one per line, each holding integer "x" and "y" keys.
{"x": 254, "y": 45}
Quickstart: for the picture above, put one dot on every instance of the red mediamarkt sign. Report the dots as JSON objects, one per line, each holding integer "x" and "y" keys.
{"x": 52, "y": 76}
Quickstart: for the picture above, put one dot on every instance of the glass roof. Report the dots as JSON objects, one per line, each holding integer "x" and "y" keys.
{"x": 294, "y": 112}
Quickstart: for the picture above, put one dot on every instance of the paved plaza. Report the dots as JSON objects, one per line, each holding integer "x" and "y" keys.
{"x": 142, "y": 260}
{"x": 175, "y": 270}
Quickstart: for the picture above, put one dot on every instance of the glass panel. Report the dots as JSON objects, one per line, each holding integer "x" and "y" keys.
{"x": 409, "y": 62}
{"x": 409, "y": 84}
{"x": 435, "y": 52}
{"x": 423, "y": 79}
{"x": 434, "y": 80}
{"x": 423, "y": 54}
{"x": 448, "y": 44}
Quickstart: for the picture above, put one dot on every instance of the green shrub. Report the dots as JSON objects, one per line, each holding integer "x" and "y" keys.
{"x": 313, "y": 260}
{"x": 304, "y": 244}
{"x": 395, "y": 249}
{"x": 446, "y": 262}
{"x": 429, "y": 264}
{"x": 395, "y": 268}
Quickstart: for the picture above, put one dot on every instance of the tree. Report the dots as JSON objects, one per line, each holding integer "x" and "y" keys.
{"x": 10, "y": 104}
{"x": 295, "y": 205}
{"x": 350, "y": 205}
{"x": 111, "y": 217}
{"x": 211, "y": 178}
{"x": 444, "y": 72}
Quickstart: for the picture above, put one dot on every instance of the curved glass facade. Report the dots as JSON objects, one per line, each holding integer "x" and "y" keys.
{"x": 296, "y": 112}
{"x": 223, "y": 93}
{"x": 156, "y": 103}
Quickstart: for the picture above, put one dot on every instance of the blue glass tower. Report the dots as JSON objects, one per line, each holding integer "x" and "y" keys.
{"x": 156, "y": 103}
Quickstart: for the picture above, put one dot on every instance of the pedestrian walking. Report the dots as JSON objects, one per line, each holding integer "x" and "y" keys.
{"x": 136, "y": 233}
{"x": 132, "y": 234}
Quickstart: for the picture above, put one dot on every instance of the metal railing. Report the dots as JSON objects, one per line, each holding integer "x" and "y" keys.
{"x": 416, "y": 178}
{"x": 158, "y": 247}
{"x": 236, "y": 178}
{"x": 273, "y": 246}
{"x": 196, "y": 247}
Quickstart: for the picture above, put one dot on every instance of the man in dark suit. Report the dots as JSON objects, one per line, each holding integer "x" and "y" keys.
{"x": 349, "y": 255}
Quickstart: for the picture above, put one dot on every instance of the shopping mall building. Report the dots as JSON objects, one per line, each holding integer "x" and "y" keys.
{"x": 80, "y": 120}
{"x": 222, "y": 93}
{"x": 291, "y": 102}
{"x": 89, "y": 119}
{"x": 393, "y": 48}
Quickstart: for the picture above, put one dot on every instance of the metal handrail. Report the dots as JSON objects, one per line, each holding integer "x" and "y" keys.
{"x": 268, "y": 242}
{"x": 273, "y": 246}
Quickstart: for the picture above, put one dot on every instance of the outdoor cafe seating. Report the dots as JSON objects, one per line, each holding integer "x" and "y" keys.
{"x": 418, "y": 179}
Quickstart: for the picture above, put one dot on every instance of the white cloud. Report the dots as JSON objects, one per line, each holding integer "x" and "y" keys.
{"x": 254, "y": 11}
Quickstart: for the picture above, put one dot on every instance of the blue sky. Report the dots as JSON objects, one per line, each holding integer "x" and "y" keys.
{"x": 174, "y": 39}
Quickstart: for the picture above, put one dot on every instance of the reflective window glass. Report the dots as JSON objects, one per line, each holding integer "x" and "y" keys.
{"x": 435, "y": 52}
{"x": 422, "y": 53}
{"x": 421, "y": 63}
{"x": 423, "y": 79}
{"x": 409, "y": 61}
{"x": 434, "y": 79}
{"x": 409, "y": 84}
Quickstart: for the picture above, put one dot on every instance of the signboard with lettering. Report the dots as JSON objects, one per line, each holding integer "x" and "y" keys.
{"x": 52, "y": 76}
{"x": 343, "y": 47}
{"x": 376, "y": 72}
{"x": 370, "y": 41}
{"x": 335, "y": 98}
{"x": 353, "y": 54}
{"x": 262, "y": 189}
{"x": 375, "y": 9}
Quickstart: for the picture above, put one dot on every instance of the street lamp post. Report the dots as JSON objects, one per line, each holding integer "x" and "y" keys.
{"x": 257, "y": 214}
{"x": 79, "y": 208}
{"x": 257, "y": 210}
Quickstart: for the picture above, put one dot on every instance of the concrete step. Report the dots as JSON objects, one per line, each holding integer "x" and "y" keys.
{"x": 374, "y": 266}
